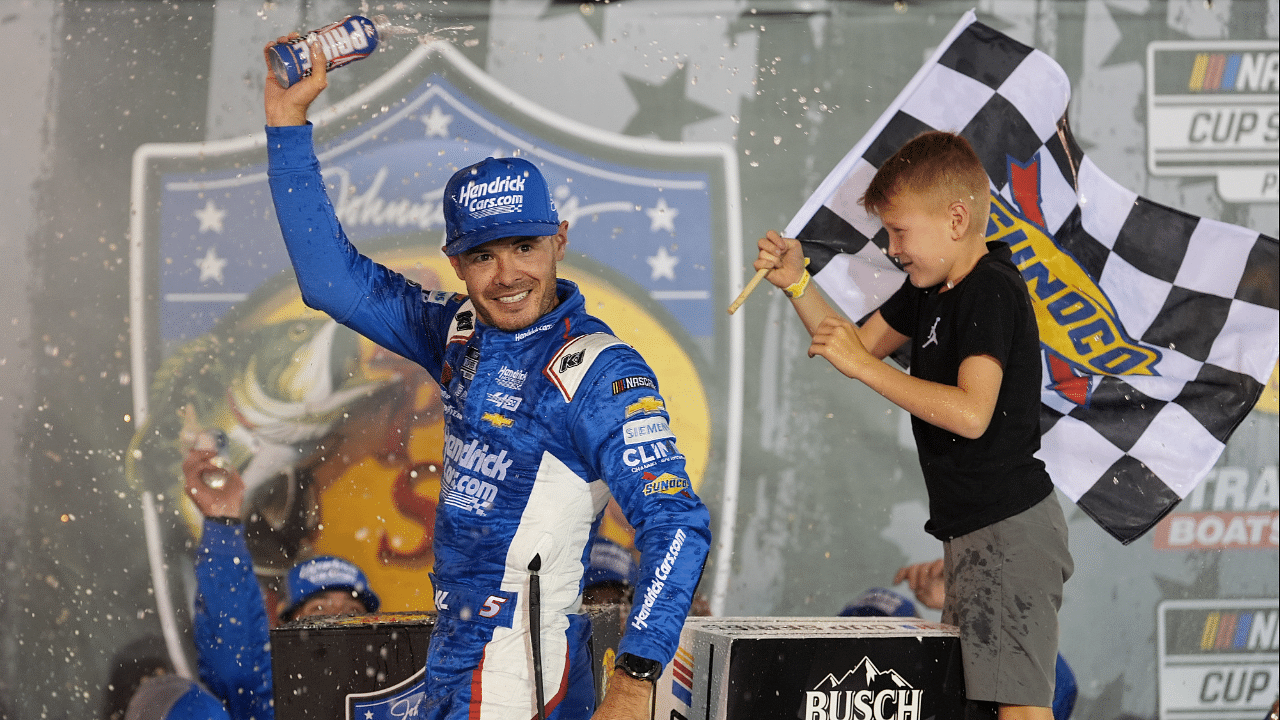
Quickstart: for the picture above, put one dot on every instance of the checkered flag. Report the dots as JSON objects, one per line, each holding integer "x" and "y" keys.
{"x": 1159, "y": 329}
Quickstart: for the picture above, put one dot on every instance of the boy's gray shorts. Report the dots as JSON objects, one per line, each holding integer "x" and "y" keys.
{"x": 1004, "y": 588}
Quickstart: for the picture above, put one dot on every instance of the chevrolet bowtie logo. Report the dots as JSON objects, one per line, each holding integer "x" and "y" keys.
{"x": 497, "y": 420}
{"x": 645, "y": 405}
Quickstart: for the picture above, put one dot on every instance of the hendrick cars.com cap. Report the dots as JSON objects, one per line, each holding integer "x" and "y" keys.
{"x": 496, "y": 198}
{"x": 324, "y": 573}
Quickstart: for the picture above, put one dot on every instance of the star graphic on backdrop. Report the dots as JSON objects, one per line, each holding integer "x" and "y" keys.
{"x": 210, "y": 217}
{"x": 662, "y": 216}
{"x": 1136, "y": 32}
{"x": 437, "y": 123}
{"x": 662, "y": 265}
{"x": 664, "y": 109}
{"x": 211, "y": 266}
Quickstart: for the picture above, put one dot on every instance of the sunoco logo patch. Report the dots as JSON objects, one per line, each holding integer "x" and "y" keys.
{"x": 666, "y": 483}
{"x": 864, "y": 693}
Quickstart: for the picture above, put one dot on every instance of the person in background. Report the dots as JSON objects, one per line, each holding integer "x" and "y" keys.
{"x": 171, "y": 697}
{"x": 611, "y": 574}
{"x": 141, "y": 658}
{"x": 232, "y": 630}
{"x": 880, "y": 602}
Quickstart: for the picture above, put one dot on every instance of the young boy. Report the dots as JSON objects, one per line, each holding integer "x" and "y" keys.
{"x": 974, "y": 397}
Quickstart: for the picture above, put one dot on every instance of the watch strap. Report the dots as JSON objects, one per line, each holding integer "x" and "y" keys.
{"x": 638, "y": 667}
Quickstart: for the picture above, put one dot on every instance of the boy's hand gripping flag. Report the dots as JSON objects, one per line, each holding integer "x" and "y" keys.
{"x": 1159, "y": 329}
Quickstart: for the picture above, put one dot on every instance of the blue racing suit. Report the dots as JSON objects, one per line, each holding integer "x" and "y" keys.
{"x": 542, "y": 425}
{"x": 232, "y": 635}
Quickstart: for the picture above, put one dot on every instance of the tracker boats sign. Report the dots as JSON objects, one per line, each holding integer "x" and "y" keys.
{"x": 221, "y": 339}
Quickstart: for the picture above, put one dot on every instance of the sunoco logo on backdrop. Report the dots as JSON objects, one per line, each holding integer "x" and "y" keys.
{"x": 864, "y": 693}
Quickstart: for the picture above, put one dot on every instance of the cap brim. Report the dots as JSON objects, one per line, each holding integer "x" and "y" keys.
{"x": 497, "y": 232}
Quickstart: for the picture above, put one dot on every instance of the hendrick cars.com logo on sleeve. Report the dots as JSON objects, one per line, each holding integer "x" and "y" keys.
{"x": 1217, "y": 658}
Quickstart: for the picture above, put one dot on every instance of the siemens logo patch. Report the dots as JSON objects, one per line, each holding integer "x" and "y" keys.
{"x": 646, "y": 429}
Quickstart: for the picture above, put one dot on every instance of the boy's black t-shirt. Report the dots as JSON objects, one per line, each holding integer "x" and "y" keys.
{"x": 974, "y": 483}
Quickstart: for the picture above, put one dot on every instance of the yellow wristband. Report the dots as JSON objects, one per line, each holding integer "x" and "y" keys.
{"x": 796, "y": 289}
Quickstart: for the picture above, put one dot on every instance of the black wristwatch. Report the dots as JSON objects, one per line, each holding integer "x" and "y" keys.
{"x": 639, "y": 668}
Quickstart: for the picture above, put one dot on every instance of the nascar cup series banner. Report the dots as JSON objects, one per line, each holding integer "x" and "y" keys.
{"x": 1159, "y": 329}
{"x": 338, "y": 441}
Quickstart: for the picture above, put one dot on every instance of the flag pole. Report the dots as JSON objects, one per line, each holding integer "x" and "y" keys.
{"x": 742, "y": 297}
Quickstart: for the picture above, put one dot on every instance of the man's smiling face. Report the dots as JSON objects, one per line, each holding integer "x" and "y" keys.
{"x": 512, "y": 281}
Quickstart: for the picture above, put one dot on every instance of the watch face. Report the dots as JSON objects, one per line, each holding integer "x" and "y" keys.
{"x": 638, "y": 667}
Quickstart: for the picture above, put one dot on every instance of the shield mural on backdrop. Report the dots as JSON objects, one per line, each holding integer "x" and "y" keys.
{"x": 339, "y": 441}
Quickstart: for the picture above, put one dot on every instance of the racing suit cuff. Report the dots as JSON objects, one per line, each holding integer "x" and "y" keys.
{"x": 640, "y": 645}
{"x": 290, "y": 148}
{"x": 222, "y": 538}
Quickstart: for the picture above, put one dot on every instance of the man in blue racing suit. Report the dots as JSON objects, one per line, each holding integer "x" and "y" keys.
{"x": 547, "y": 414}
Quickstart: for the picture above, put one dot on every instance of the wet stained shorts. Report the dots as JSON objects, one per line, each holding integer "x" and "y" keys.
{"x": 1004, "y": 588}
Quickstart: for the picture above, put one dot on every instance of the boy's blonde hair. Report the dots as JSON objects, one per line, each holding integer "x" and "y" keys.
{"x": 941, "y": 165}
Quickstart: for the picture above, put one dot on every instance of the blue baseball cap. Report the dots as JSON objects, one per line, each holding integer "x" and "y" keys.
{"x": 324, "y": 573}
{"x": 609, "y": 562}
{"x": 496, "y": 198}
{"x": 879, "y": 602}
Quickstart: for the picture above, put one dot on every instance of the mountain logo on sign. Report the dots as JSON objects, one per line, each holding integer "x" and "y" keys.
{"x": 864, "y": 693}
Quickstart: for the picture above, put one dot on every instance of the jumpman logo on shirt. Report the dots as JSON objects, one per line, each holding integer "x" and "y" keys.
{"x": 933, "y": 334}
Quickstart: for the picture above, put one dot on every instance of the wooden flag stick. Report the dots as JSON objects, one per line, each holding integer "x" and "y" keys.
{"x": 742, "y": 297}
